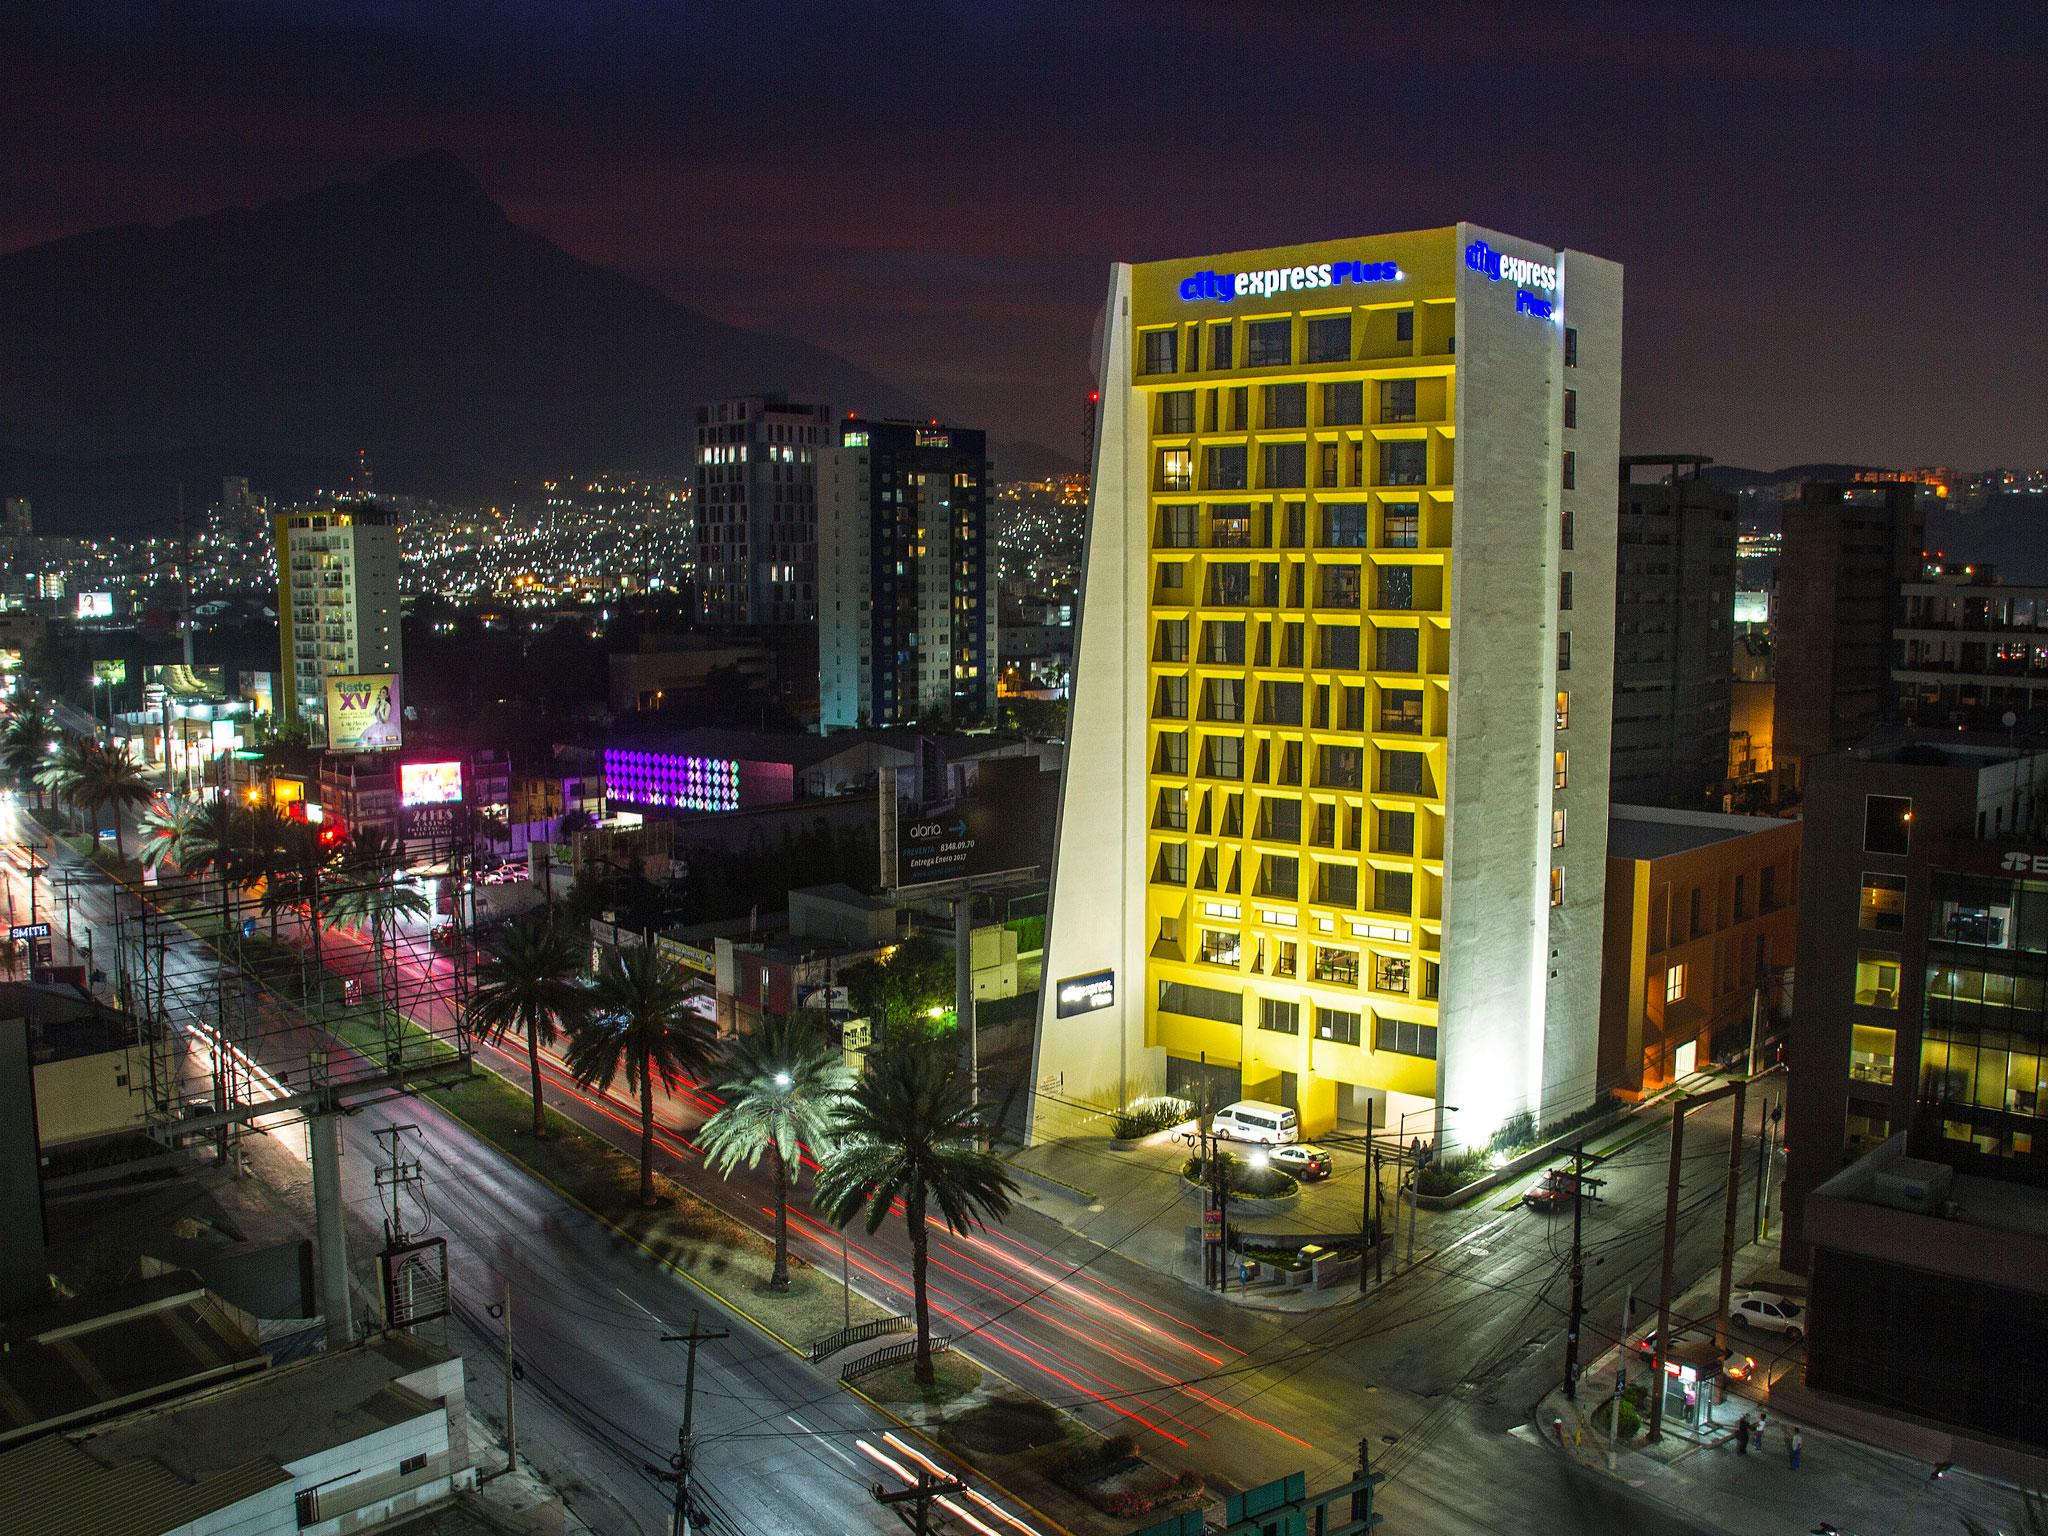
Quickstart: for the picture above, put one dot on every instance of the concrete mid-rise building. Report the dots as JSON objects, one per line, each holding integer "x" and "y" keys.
{"x": 1848, "y": 551}
{"x": 1971, "y": 650}
{"x": 1332, "y": 826}
{"x": 1673, "y": 613}
{"x": 757, "y": 510}
{"x": 338, "y": 608}
{"x": 1702, "y": 914}
{"x": 904, "y": 620}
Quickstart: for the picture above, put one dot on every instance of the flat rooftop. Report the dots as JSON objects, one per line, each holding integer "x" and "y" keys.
{"x": 1651, "y": 832}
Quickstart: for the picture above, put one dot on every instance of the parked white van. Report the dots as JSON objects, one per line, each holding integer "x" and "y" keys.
{"x": 1256, "y": 1120}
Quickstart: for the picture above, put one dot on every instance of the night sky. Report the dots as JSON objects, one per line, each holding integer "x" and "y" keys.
{"x": 1834, "y": 217}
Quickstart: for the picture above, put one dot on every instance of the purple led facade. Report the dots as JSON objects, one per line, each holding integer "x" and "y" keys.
{"x": 672, "y": 779}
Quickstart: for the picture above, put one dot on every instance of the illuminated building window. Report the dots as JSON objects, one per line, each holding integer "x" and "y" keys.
{"x": 1557, "y": 828}
{"x": 1877, "y": 980}
{"x": 1560, "y": 765}
{"x": 1674, "y": 982}
{"x": 1564, "y": 709}
{"x": 1557, "y": 887}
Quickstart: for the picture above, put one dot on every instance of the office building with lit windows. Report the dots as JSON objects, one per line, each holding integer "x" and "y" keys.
{"x": 757, "y": 510}
{"x": 1332, "y": 828}
{"x": 337, "y": 609}
{"x": 904, "y": 627}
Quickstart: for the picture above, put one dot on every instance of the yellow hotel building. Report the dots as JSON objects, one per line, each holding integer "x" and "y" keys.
{"x": 1333, "y": 815}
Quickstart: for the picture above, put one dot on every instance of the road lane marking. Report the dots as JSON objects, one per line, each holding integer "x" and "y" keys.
{"x": 641, "y": 1305}
{"x": 815, "y": 1435}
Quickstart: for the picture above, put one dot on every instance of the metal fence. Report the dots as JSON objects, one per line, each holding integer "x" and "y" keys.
{"x": 859, "y": 1333}
{"x": 889, "y": 1355}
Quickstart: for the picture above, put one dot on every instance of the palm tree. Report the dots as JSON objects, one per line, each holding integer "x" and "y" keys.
{"x": 305, "y": 862}
{"x": 372, "y": 893}
{"x": 92, "y": 777}
{"x": 63, "y": 771}
{"x": 262, "y": 855}
{"x": 530, "y": 980}
{"x": 784, "y": 1088}
{"x": 911, "y": 1130}
{"x": 640, "y": 1020}
{"x": 162, "y": 832}
{"x": 25, "y": 746}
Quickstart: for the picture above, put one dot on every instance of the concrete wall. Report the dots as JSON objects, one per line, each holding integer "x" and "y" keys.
{"x": 1520, "y": 996}
{"x": 1099, "y": 872}
{"x": 86, "y": 1096}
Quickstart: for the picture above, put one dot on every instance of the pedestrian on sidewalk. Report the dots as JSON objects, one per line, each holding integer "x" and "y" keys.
{"x": 1742, "y": 1436}
{"x": 1797, "y": 1448}
{"x": 1763, "y": 1423}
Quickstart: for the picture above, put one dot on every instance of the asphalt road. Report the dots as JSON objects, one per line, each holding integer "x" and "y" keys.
{"x": 780, "y": 1447}
{"x": 1434, "y": 1370}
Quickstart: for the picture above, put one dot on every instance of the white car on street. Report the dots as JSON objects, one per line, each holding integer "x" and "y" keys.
{"x": 1769, "y": 1313}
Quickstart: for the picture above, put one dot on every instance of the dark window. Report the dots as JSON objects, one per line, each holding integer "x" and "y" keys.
{"x": 1694, "y": 914}
{"x": 1222, "y": 757}
{"x": 1224, "y": 467}
{"x": 1340, "y": 767}
{"x": 1404, "y": 325}
{"x": 1571, "y": 347}
{"x": 1280, "y": 704}
{"x": 1296, "y": 522}
{"x": 1564, "y": 592}
{"x": 1223, "y": 642}
{"x": 1326, "y": 464}
{"x": 1564, "y": 650}
{"x": 1173, "y": 640}
{"x": 1405, "y": 1038}
{"x": 1337, "y": 1024}
{"x": 1177, "y": 527}
{"x": 1338, "y": 645}
{"x": 1340, "y": 586}
{"x": 1162, "y": 351}
{"x": 1268, "y": 343}
{"x": 1571, "y": 408}
{"x": 1344, "y": 403}
{"x": 1400, "y": 526}
{"x": 1401, "y": 711}
{"x": 1396, "y": 587}
{"x": 1767, "y": 889}
{"x": 1404, "y": 463}
{"x": 1230, "y": 584}
{"x": 1396, "y": 832}
{"x": 1195, "y": 1002}
{"x": 412, "y": 1464}
{"x": 1177, "y": 411}
{"x": 1280, "y": 820}
{"x": 1887, "y": 824}
{"x": 1399, "y": 650}
{"x": 1345, "y": 524}
{"x": 1219, "y": 346}
{"x": 1571, "y": 470}
{"x": 1286, "y": 405}
{"x": 1564, "y": 535}
{"x": 1329, "y": 339}
{"x": 1173, "y": 752}
{"x": 1173, "y": 699}
{"x": 1404, "y": 773}
{"x": 1172, "y": 868}
{"x": 1223, "y": 699}
{"x": 1393, "y": 890}
{"x": 1338, "y": 885}
{"x": 1286, "y": 465}
{"x": 1281, "y": 1018}
{"x": 1397, "y": 400}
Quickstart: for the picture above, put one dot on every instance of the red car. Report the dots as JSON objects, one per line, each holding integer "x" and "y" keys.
{"x": 1559, "y": 1188}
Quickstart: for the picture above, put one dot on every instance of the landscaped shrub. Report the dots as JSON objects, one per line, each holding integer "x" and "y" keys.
{"x": 1141, "y": 1120}
{"x": 1127, "y": 1504}
{"x": 1243, "y": 1178}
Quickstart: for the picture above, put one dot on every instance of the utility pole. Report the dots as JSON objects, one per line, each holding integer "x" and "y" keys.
{"x": 1756, "y": 999}
{"x": 692, "y": 1339}
{"x": 1728, "y": 1219}
{"x": 929, "y": 1487}
{"x": 511, "y": 1422}
{"x": 963, "y": 1004}
{"x": 1763, "y": 1189}
{"x": 1628, "y": 1301}
{"x": 1571, "y": 1332}
{"x": 1667, "y": 1274}
{"x": 1379, "y": 1212}
{"x": 1366, "y": 1196}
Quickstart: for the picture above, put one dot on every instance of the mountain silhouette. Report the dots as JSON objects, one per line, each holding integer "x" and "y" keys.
{"x": 405, "y": 315}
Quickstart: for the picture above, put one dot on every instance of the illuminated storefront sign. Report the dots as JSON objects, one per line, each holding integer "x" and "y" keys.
{"x": 1328, "y": 274}
{"x": 673, "y": 778}
{"x": 1086, "y": 994}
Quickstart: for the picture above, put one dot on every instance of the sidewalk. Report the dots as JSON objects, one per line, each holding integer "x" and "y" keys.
{"x": 1859, "y": 1487}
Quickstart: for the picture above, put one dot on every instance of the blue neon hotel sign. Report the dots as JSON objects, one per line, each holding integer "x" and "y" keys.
{"x": 1329, "y": 274}
{"x": 1481, "y": 257}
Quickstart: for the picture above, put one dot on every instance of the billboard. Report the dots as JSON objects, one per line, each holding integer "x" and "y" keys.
{"x": 110, "y": 674}
{"x": 1752, "y": 607}
{"x": 1085, "y": 994}
{"x": 363, "y": 712}
{"x": 974, "y": 821}
{"x": 430, "y": 800}
{"x": 95, "y": 605}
